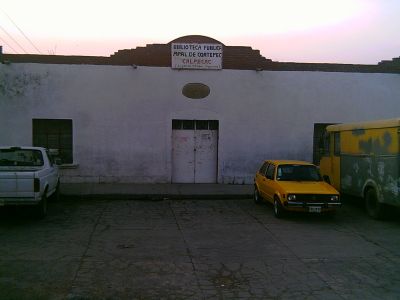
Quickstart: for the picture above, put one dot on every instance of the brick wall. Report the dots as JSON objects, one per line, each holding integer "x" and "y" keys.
{"x": 234, "y": 57}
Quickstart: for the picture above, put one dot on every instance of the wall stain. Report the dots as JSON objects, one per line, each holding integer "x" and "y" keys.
{"x": 15, "y": 85}
{"x": 374, "y": 145}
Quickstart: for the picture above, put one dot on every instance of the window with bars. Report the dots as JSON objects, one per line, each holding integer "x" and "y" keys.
{"x": 195, "y": 124}
{"x": 54, "y": 134}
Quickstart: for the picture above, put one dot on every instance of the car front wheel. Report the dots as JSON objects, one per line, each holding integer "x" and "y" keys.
{"x": 278, "y": 209}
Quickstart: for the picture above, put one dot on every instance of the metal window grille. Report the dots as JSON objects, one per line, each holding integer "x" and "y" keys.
{"x": 54, "y": 134}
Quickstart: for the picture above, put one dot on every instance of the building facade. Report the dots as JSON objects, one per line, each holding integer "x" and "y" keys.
{"x": 203, "y": 116}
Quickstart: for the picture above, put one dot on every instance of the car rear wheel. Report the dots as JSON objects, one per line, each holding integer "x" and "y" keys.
{"x": 278, "y": 209}
{"x": 257, "y": 197}
{"x": 56, "y": 195}
{"x": 41, "y": 209}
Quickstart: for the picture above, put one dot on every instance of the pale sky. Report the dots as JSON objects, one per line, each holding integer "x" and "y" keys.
{"x": 335, "y": 31}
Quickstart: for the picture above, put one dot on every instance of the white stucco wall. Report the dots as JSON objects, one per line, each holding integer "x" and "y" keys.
{"x": 122, "y": 116}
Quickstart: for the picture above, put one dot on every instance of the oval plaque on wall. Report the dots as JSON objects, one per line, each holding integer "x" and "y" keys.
{"x": 196, "y": 90}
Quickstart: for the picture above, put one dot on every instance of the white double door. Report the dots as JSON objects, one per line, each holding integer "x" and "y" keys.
{"x": 194, "y": 156}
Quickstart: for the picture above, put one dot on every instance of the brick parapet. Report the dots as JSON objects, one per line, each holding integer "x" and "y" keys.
{"x": 234, "y": 57}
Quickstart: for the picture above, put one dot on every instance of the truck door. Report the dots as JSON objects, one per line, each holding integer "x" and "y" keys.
{"x": 335, "y": 163}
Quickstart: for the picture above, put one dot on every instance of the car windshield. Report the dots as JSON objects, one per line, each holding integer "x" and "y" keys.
{"x": 21, "y": 157}
{"x": 293, "y": 172}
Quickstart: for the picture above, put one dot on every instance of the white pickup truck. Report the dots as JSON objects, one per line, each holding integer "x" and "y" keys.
{"x": 28, "y": 176}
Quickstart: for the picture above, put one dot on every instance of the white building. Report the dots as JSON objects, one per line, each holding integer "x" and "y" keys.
{"x": 195, "y": 114}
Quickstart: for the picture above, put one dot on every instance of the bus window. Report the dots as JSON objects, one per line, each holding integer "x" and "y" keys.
{"x": 326, "y": 144}
{"x": 336, "y": 150}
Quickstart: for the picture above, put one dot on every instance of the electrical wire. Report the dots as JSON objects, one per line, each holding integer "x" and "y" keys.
{"x": 8, "y": 45}
{"x": 20, "y": 30}
{"x": 1, "y": 27}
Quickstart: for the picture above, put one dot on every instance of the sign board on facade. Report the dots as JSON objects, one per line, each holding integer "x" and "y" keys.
{"x": 196, "y": 56}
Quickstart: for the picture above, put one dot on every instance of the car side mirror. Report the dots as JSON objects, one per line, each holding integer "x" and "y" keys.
{"x": 326, "y": 179}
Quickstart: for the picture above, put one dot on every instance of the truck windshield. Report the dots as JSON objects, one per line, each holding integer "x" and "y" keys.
{"x": 21, "y": 157}
{"x": 292, "y": 172}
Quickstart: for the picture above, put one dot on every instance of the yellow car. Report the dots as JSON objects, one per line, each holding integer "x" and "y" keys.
{"x": 294, "y": 186}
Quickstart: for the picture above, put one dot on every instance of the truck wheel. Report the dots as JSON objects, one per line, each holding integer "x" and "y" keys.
{"x": 42, "y": 207}
{"x": 257, "y": 197}
{"x": 375, "y": 209}
{"x": 278, "y": 209}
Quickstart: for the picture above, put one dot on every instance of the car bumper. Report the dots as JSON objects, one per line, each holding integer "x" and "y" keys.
{"x": 311, "y": 206}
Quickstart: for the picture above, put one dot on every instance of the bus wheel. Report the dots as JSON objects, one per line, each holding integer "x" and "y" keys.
{"x": 375, "y": 209}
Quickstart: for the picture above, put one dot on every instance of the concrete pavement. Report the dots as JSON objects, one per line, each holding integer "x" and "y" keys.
{"x": 195, "y": 249}
{"x": 156, "y": 191}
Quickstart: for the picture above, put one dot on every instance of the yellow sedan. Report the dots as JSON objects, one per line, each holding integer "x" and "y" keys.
{"x": 294, "y": 186}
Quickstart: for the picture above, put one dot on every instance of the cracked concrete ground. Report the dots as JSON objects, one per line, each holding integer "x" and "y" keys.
{"x": 195, "y": 249}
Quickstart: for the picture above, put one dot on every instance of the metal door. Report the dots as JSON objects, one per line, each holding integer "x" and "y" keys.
{"x": 194, "y": 153}
{"x": 205, "y": 168}
{"x": 183, "y": 156}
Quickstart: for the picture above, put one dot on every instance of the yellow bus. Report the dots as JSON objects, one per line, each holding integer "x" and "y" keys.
{"x": 363, "y": 160}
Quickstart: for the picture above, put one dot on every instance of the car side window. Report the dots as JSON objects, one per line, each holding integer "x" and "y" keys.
{"x": 263, "y": 168}
{"x": 270, "y": 171}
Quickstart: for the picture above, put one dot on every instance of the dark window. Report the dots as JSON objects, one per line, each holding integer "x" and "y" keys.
{"x": 13, "y": 157}
{"x": 326, "y": 144}
{"x": 187, "y": 124}
{"x": 54, "y": 134}
{"x": 195, "y": 124}
{"x": 213, "y": 125}
{"x": 263, "y": 168}
{"x": 336, "y": 149}
{"x": 320, "y": 142}
{"x": 298, "y": 173}
{"x": 176, "y": 124}
{"x": 270, "y": 171}
{"x": 201, "y": 125}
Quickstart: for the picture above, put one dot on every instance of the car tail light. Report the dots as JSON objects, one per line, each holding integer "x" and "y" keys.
{"x": 36, "y": 185}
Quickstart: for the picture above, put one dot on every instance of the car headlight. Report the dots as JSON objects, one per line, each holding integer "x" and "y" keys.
{"x": 291, "y": 197}
{"x": 334, "y": 198}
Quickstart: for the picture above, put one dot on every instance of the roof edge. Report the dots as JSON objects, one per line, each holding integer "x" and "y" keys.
{"x": 395, "y": 122}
